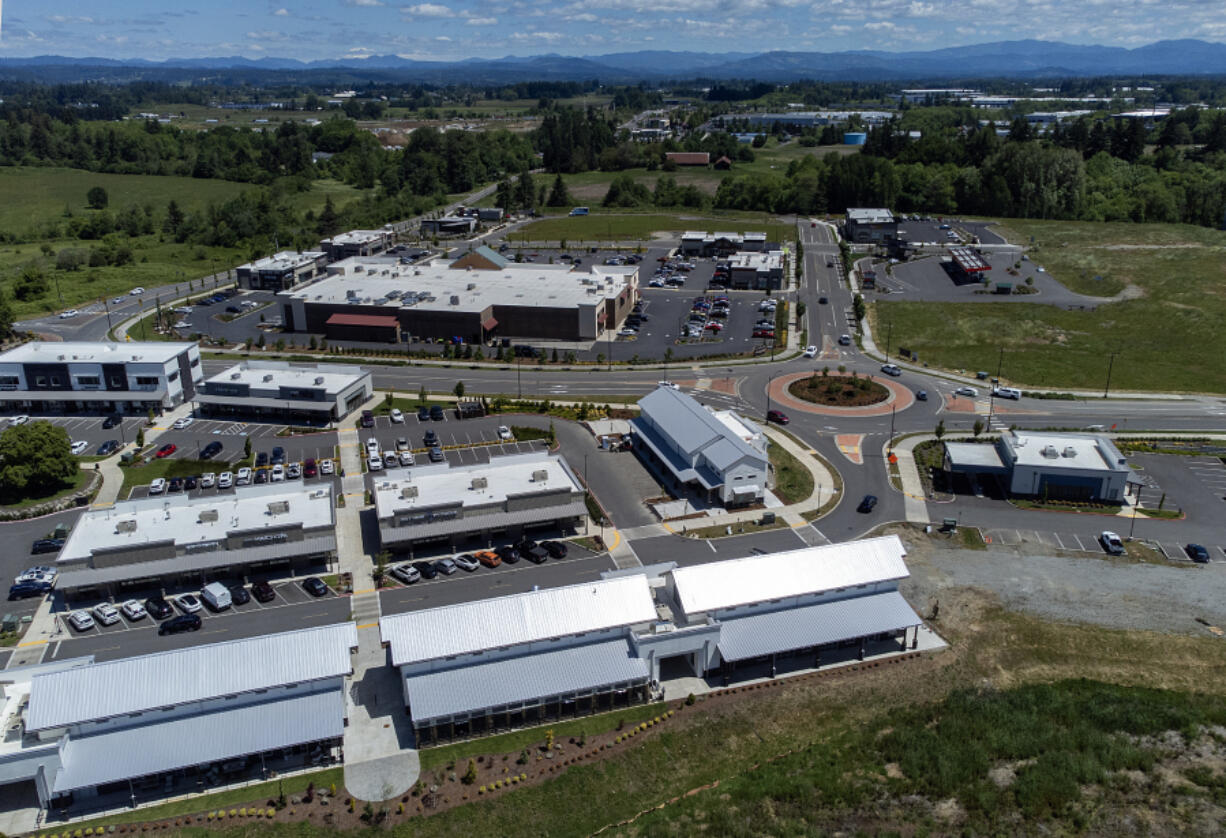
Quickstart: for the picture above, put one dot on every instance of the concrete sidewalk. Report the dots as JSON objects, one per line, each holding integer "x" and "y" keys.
{"x": 908, "y": 474}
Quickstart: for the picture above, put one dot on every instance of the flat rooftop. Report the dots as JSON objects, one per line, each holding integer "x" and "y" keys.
{"x": 740, "y": 426}
{"x": 357, "y": 237}
{"x": 758, "y": 260}
{"x": 190, "y": 520}
{"x": 480, "y": 483}
{"x": 1065, "y": 451}
{"x": 265, "y": 374}
{"x": 438, "y": 287}
{"x": 698, "y": 234}
{"x": 870, "y": 216}
{"x": 285, "y": 260}
{"x": 84, "y": 352}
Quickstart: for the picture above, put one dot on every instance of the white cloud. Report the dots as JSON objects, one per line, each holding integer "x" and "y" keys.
{"x": 586, "y": 17}
{"x": 364, "y": 3}
{"x": 70, "y": 19}
{"x": 426, "y": 10}
{"x": 441, "y": 38}
{"x": 880, "y": 26}
{"x": 547, "y": 37}
{"x": 840, "y": 29}
{"x": 281, "y": 13}
{"x": 481, "y": 21}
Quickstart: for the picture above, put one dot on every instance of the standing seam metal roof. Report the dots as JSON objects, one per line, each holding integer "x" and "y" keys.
{"x": 688, "y": 423}
{"x": 183, "y": 676}
{"x": 197, "y": 740}
{"x": 816, "y": 625}
{"x": 520, "y": 618}
{"x": 512, "y": 681}
{"x": 809, "y": 570}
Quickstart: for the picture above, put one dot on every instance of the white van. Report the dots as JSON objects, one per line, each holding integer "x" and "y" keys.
{"x": 1007, "y": 393}
{"x": 216, "y": 596}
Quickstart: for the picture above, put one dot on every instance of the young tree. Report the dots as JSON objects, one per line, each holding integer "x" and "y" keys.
{"x": 459, "y": 390}
{"x": 977, "y": 428}
{"x": 247, "y": 448}
{"x": 421, "y": 395}
{"x": 97, "y": 198}
{"x": 939, "y": 431}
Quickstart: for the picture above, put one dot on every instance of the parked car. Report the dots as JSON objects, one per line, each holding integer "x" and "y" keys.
{"x": 1197, "y": 553}
{"x": 1111, "y": 542}
{"x": 504, "y": 432}
{"x": 532, "y": 551}
{"x": 555, "y": 549}
{"x": 406, "y": 458}
{"x": 278, "y": 473}
{"x": 891, "y": 369}
{"x": 278, "y": 456}
{"x": 261, "y": 459}
{"x": 488, "y": 558}
{"x": 406, "y": 573}
{"x": 180, "y": 624}
{"x": 180, "y": 424}
{"x": 239, "y": 595}
{"x": 446, "y": 566}
{"x": 430, "y": 439}
{"x": 243, "y": 477}
{"x": 166, "y": 450}
{"x": 47, "y": 545}
{"x": 262, "y": 591}
{"x": 436, "y": 413}
{"x": 777, "y": 416}
{"x": 436, "y": 454}
{"x": 190, "y": 482}
{"x": 426, "y": 569}
{"x": 188, "y": 603}
{"x": 315, "y": 586}
{"x": 396, "y": 416}
{"x": 19, "y": 419}
{"x": 133, "y": 610}
{"x": 764, "y": 333}
{"x": 158, "y": 608}
{"x": 157, "y": 486}
{"x": 368, "y": 419}
{"x": 106, "y": 614}
{"x": 21, "y": 590}
{"x": 111, "y": 421}
{"x": 467, "y": 562}
{"x": 309, "y": 468}
{"x": 374, "y": 462}
{"x": 211, "y": 450}
{"x": 293, "y": 471}
{"x": 390, "y": 459}
{"x": 326, "y": 467}
{"x": 867, "y": 504}
{"x": 78, "y": 447}
{"x": 423, "y": 413}
{"x": 208, "y": 480}
{"x": 507, "y": 553}
{"x": 81, "y": 620}
{"x": 108, "y": 448}
{"x": 175, "y": 484}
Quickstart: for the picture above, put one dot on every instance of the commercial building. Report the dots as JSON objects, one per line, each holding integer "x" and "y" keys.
{"x": 474, "y": 505}
{"x": 449, "y": 225}
{"x": 76, "y": 377}
{"x": 357, "y": 243}
{"x": 695, "y": 243}
{"x": 585, "y": 648}
{"x": 473, "y": 304}
{"x": 168, "y": 540}
{"x": 282, "y": 270}
{"x": 719, "y": 453}
{"x": 105, "y": 734}
{"x": 315, "y": 394}
{"x": 800, "y": 120}
{"x": 688, "y": 158}
{"x": 1086, "y": 467}
{"x": 749, "y": 270}
{"x": 870, "y": 226}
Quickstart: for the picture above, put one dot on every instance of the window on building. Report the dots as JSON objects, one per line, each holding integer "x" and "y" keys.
{"x": 89, "y": 381}
{"x": 174, "y": 376}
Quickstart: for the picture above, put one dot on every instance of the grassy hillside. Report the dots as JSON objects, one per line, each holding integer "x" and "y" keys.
{"x": 1164, "y": 330}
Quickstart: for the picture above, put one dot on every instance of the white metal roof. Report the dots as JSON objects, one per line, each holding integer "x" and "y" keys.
{"x": 332, "y": 378}
{"x": 198, "y": 740}
{"x": 1064, "y": 451}
{"x": 870, "y": 216}
{"x": 183, "y": 676}
{"x": 720, "y": 585}
{"x": 285, "y": 260}
{"x": 199, "y": 519}
{"x": 520, "y": 618}
{"x": 84, "y": 352}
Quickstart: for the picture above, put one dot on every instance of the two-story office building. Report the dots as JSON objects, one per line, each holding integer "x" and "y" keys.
{"x": 193, "y": 539}
{"x": 870, "y": 226}
{"x": 282, "y": 271}
{"x": 81, "y": 377}
{"x": 358, "y": 243}
{"x": 463, "y": 506}
{"x": 135, "y": 728}
{"x": 719, "y": 453}
{"x": 316, "y": 394}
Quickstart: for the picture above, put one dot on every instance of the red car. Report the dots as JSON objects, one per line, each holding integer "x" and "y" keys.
{"x": 763, "y": 333}
{"x": 777, "y": 416}
{"x": 714, "y": 326}
{"x": 166, "y": 450}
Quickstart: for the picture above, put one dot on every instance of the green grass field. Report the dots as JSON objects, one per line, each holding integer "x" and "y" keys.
{"x": 1164, "y": 339}
{"x": 618, "y": 225}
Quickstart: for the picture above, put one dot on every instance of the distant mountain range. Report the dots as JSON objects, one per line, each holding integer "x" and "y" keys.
{"x": 1011, "y": 59}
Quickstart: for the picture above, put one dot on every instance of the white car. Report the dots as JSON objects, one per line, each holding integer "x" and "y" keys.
{"x": 183, "y": 310}
{"x": 396, "y": 416}
{"x": 391, "y": 459}
{"x": 136, "y": 292}
{"x": 372, "y": 447}
{"x": 244, "y": 477}
{"x": 1112, "y": 543}
{"x": 66, "y": 315}
{"x": 810, "y": 351}
{"x": 891, "y": 369}
{"x": 278, "y": 473}
{"x": 19, "y": 420}
{"x": 969, "y": 392}
{"x": 208, "y": 480}
{"x": 133, "y": 610}
{"x": 628, "y": 332}
{"x": 466, "y": 562}
{"x": 117, "y": 301}
{"x": 672, "y": 385}
{"x": 326, "y": 467}
{"x": 504, "y": 432}
{"x": 81, "y": 621}
{"x": 374, "y": 462}
{"x": 225, "y": 480}
{"x": 182, "y": 423}
{"x": 1007, "y": 393}
{"x": 190, "y": 603}
{"x": 406, "y": 458}
{"x": 157, "y": 486}
{"x": 79, "y": 446}
{"x": 106, "y": 613}
{"x": 844, "y": 340}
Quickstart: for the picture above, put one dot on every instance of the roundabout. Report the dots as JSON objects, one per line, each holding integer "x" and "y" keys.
{"x": 840, "y": 390}
{"x": 897, "y": 396}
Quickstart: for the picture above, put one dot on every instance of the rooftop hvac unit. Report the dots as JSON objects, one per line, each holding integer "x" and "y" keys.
{"x": 235, "y": 376}
{"x": 207, "y": 516}
{"x": 1050, "y": 452}
{"x": 319, "y": 379}
{"x": 1070, "y": 451}
{"x": 455, "y": 299}
{"x": 268, "y": 376}
{"x": 480, "y": 483}
{"x": 540, "y": 474}
{"x": 126, "y": 526}
{"x": 357, "y": 269}
{"x": 408, "y": 492}
{"x": 472, "y": 286}
{"x": 278, "y": 507}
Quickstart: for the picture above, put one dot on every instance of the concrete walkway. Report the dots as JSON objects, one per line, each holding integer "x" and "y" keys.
{"x": 912, "y": 485}
{"x": 380, "y": 762}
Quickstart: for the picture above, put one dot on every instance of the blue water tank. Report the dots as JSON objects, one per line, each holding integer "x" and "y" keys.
{"x": 854, "y": 138}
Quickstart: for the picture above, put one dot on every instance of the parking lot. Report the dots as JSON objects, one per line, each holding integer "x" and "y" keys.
{"x": 669, "y": 311}
{"x": 233, "y": 436}
{"x": 89, "y": 429}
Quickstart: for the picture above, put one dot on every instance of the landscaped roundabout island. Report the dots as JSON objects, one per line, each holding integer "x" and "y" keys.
{"x": 838, "y": 390}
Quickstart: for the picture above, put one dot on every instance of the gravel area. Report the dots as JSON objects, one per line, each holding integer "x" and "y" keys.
{"x": 1121, "y": 595}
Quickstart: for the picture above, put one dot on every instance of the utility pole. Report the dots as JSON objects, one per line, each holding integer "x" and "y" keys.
{"x": 1110, "y": 365}
{"x": 992, "y": 391}
{"x": 519, "y": 384}
{"x": 889, "y": 337}
{"x": 892, "y": 412}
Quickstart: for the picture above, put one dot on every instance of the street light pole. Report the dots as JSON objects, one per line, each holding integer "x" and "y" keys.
{"x": 992, "y": 390}
{"x": 889, "y": 337}
{"x": 1110, "y": 365}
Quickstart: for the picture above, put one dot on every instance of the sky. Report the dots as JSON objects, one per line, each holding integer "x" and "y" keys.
{"x": 324, "y": 29}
